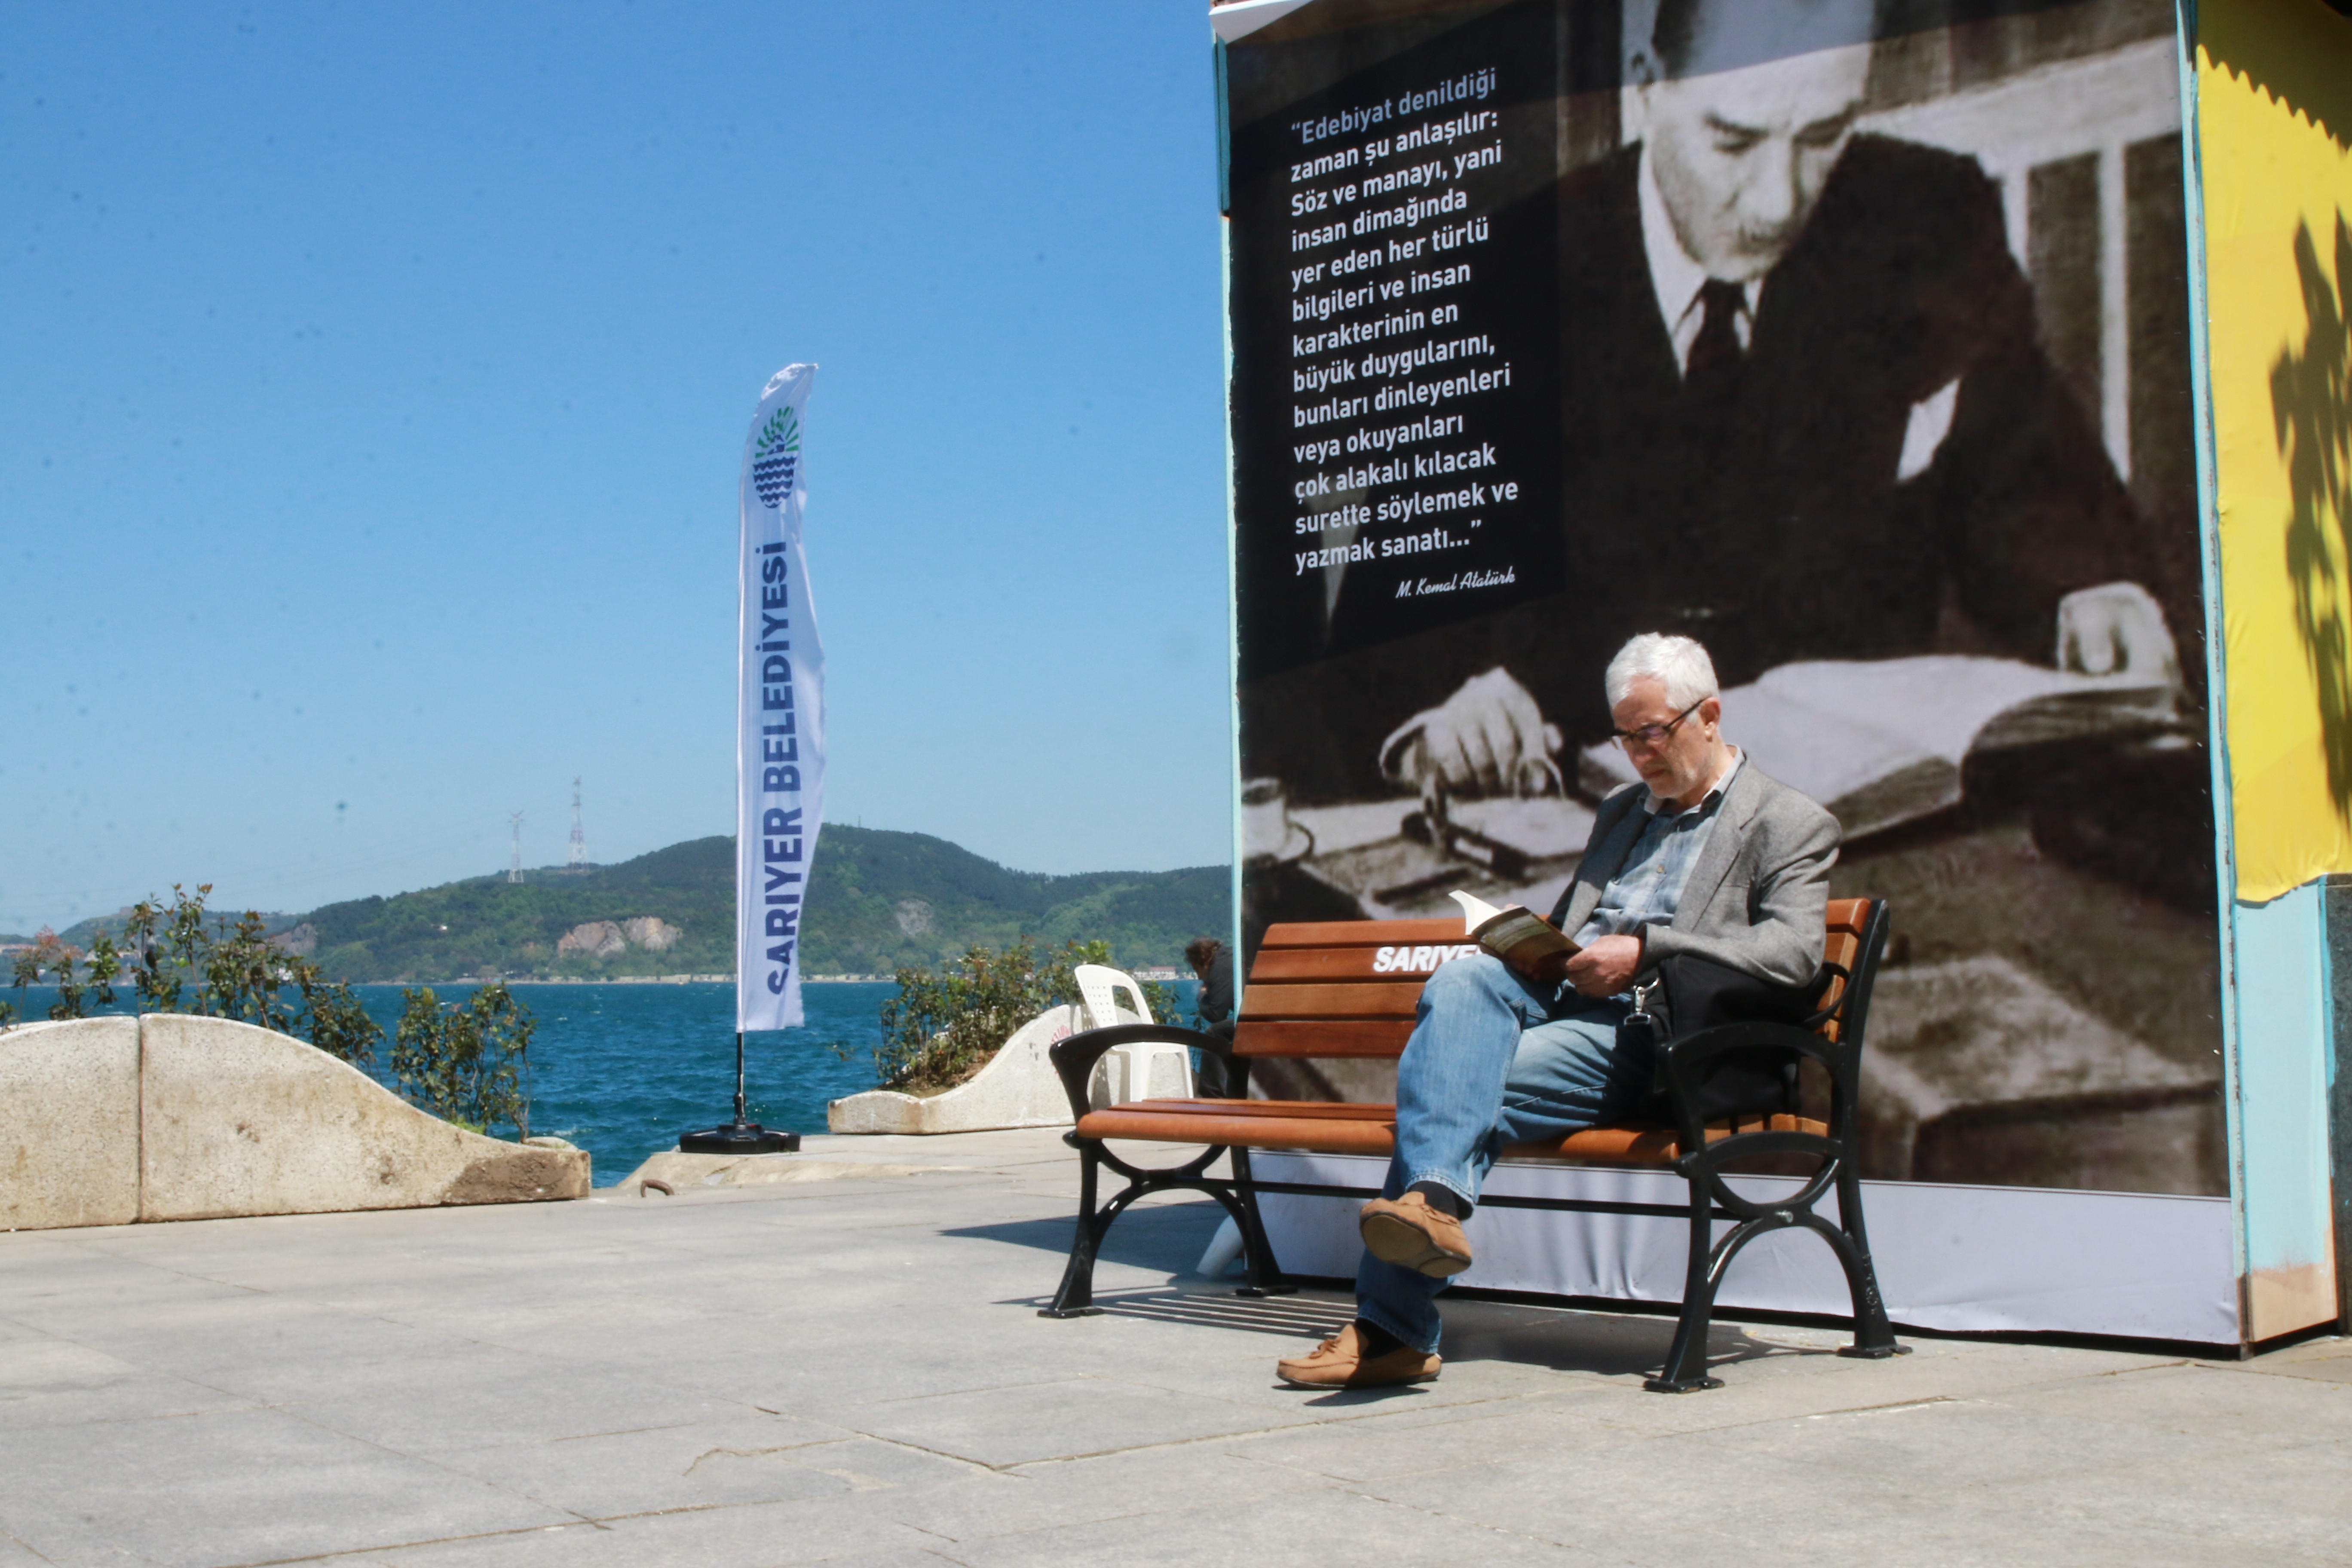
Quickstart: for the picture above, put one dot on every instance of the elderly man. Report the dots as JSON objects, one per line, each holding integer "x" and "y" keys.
{"x": 1805, "y": 413}
{"x": 1706, "y": 858}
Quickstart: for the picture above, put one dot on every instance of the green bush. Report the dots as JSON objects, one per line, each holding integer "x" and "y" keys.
{"x": 466, "y": 1063}
{"x": 174, "y": 964}
{"x": 943, "y": 1026}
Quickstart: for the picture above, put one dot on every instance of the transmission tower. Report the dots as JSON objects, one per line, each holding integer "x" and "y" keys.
{"x": 579, "y": 855}
{"x": 514, "y": 864}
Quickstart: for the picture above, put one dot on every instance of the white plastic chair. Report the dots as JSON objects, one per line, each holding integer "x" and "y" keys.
{"x": 1149, "y": 1070}
{"x": 1099, "y": 985}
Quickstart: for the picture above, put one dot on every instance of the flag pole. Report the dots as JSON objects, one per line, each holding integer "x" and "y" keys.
{"x": 779, "y": 743}
{"x": 741, "y": 1136}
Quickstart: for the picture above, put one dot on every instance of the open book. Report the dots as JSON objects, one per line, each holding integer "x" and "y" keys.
{"x": 1881, "y": 743}
{"x": 1519, "y": 937}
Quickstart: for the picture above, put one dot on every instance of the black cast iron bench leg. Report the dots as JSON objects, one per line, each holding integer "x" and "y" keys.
{"x": 1685, "y": 1368}
{"x": 1874, "y": 1336}
{"x": 1264, "y": 1274}
{"x": 1076, "y": 1298}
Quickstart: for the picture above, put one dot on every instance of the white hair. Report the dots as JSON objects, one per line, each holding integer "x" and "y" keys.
{"x": 1678, "y": 663}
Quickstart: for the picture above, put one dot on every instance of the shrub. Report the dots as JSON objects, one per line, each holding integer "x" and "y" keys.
{"x": 466, "y": 1063}
{"x": 234, "y": 969}
{"x": 58, "y": 959}
{"x": 943, "y": 1026}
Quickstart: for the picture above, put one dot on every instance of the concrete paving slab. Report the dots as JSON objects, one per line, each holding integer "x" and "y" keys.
{"x": 855, "y": 1370}
{"x": 15, "y": 1553}
{"x": 618, "y": 1473}
{"x": 2203, "y": 1401}
{"x": 2284, "y": 1504}
{"x": 268, "y": 1348}
{"x": 772, "y": 1535}
{"x": 1057, "y": 1493}
{"x": 1048, "y": 1421}
{"x": 1308, "y": 1530}
{"x": 80, "y": 1545}
{"x": 436, "y": 1419}
{"x": 47, "y": 1277}
{"x": 1375, "y": 1441}
{"x": 55, "y": 1383}
{"x": 248, "y": 1486}
{"x": 2326, "y": 1361}
{"x": 1951, "y": 1531}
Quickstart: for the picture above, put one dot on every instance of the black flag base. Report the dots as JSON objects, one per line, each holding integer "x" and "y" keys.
{"x": 738, "y": 1138}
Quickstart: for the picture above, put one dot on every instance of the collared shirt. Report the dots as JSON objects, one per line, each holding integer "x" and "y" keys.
{"x": 1678, "y": 279}
{"x": 1647, "y": 888}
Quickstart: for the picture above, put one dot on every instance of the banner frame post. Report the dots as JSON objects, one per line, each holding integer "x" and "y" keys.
{"x": 779, "y": 741}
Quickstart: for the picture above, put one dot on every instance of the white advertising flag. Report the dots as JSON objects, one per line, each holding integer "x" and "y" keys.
{"x": 780, "y": 712}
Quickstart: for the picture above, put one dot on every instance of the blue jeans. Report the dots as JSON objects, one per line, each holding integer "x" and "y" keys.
{"x": 1493, "y": 1059}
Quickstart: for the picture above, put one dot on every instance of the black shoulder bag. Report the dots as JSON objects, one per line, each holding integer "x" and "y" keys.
{"x": 1686, "y": 993}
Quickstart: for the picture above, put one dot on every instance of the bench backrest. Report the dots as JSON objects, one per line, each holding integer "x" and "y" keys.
{"x": 1347, "y": 988}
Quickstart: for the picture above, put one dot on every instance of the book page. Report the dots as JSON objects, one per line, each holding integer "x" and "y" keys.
{"x": 1947, "y": 705}
{"x": 1881, "y": 742}
{"x": 1839, "y": 760}
{"x": 1475, "y": 911}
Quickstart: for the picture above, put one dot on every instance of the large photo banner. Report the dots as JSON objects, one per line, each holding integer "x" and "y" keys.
{"x": 1852, "y": 338}
{"x": 779, "y": 711}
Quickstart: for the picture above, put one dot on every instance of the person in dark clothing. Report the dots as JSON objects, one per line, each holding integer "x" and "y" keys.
{"x": 1212, "y": 961}
{"x": 1805, "y": 413}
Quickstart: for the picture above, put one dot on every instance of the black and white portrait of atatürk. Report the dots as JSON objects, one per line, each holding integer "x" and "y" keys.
{"x": 1849, "y": 337}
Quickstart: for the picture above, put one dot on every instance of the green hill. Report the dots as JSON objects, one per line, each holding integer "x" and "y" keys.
{"x": 877, "y": 900}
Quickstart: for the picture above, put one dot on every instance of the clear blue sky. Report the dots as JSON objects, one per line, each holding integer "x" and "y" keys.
{"x": 377, "y": 377}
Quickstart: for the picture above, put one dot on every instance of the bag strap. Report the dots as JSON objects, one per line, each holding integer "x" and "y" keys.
{"x": 1830, "y": 970}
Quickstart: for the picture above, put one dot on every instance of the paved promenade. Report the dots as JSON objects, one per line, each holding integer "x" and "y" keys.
{"x": 852, "y": 1371}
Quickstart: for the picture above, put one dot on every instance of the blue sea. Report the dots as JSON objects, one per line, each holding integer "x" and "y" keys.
{"x": 622, "y": 1070}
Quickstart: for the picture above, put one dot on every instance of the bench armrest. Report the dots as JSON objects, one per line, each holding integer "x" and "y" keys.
{"x": 1695, "y": 1050}
{"x": 1685, "y": 1065}
{"x": 1074, "y": 1059}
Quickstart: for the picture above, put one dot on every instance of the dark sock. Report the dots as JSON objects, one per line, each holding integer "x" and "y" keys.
{"x": 1442, "y": 1198}
{"x": 1376, "y": 1340}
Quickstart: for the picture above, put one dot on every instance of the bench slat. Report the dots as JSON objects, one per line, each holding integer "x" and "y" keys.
{"x": 1353, "y": 963}
{"x": 1314, "y": 1127}
{"x": 1360, "y": 933}
{"x": 1356, "y": 1000}
{"x": 1330, "y": 1037}
{"x": 1143, "y": 1120}
{"x": 1315, "y": 1110}
{"x": 1312, "y": 990}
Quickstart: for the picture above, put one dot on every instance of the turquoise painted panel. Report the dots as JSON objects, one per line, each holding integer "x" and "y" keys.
{"x": 2280, "y": 1107}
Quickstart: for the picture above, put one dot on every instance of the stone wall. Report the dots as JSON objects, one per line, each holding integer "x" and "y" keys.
{"x": 112, "y": 1120}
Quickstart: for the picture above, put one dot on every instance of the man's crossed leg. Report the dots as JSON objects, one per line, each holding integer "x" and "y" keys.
{"x": 1494, "y": 1059}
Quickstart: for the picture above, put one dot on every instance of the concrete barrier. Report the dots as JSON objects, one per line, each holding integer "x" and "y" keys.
{"x": 1015, "y": 1087}
{"x": 107, "y": 1120}
{"x": 1018, "y": 1086}
{"x": 69, "y": 1124}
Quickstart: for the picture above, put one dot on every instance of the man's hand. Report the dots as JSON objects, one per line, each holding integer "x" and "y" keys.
{"x": 2115, "y": 628}
{"x": 1489, "y": 738}
{"x": 1607, "y": 967}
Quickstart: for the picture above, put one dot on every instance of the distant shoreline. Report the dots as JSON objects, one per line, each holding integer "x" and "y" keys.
{"x": 639, "y": 980}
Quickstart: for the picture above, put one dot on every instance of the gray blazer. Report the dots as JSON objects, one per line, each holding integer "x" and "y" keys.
{"x": 1757, "y": 899}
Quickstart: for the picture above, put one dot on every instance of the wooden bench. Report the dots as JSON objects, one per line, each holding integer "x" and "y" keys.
{"x": 1349, "y": 989}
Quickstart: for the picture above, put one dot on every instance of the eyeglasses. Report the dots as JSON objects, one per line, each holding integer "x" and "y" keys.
{"x": 1654, "y": 735}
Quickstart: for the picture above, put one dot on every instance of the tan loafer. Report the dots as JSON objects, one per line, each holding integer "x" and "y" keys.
{"x": 1410, "y": 1234}
{"x": 1339, "y": 1363}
